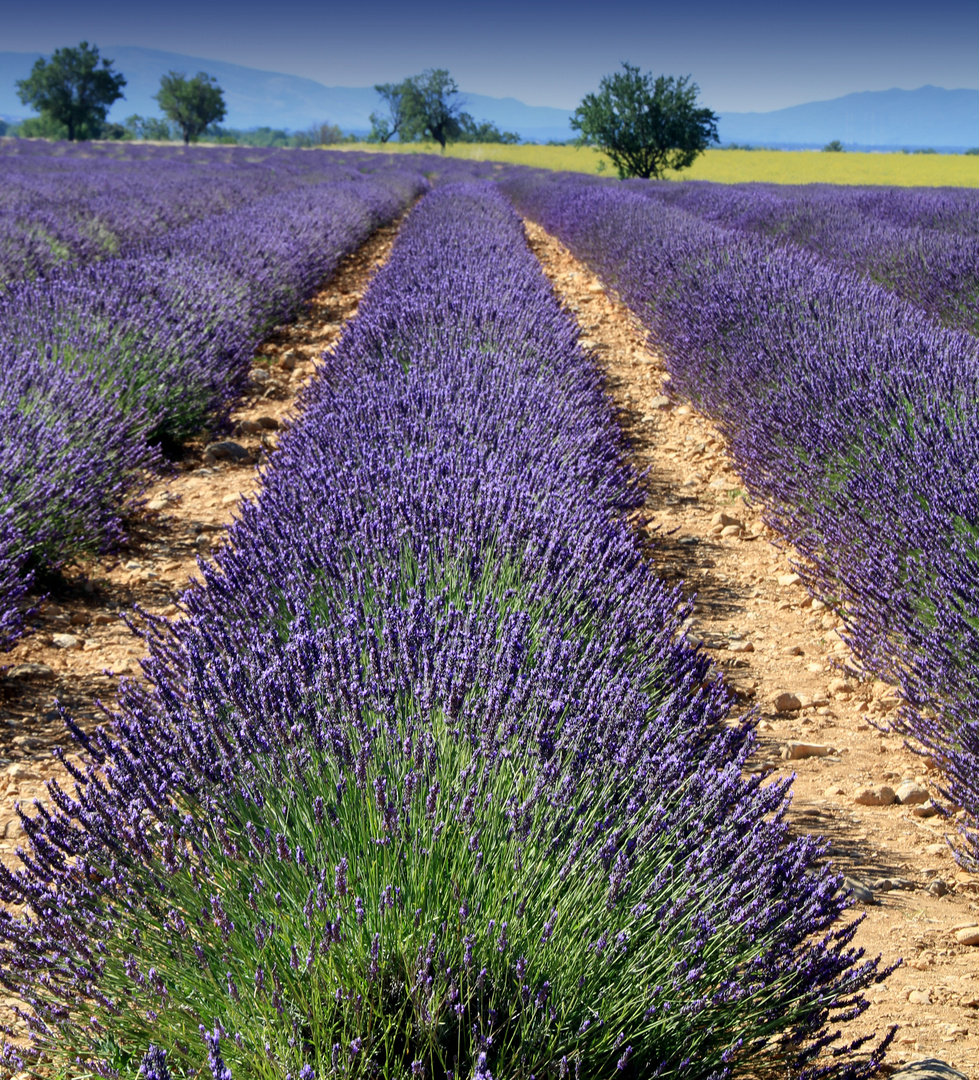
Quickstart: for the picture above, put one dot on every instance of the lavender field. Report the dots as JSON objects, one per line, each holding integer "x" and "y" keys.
{"x": 851, "y": 410}
{"x": 427, "y": 781}
{"x": 922, "y": 245}
{"x": 138, "y": 284}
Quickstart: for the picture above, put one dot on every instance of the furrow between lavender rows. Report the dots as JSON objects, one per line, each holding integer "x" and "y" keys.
{"x": 852, "y": 419}
{"x": 425, "y": 782}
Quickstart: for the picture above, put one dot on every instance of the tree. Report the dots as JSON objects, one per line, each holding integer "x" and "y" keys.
{"x": 148, "y": 127}
{"x": 834, "y": 147}
{"x": 41, "y": 127}
{"x": 420, "y": 105}
{"x": 437, "y": 112}
{"x": 483, "y": 131}
{"x": 72, "y": 90}
{"x": 324, "y": 134}
{"x": 645, "y": 125}
{"x": 192, "y": 104}
{"x": 402, "y": 117}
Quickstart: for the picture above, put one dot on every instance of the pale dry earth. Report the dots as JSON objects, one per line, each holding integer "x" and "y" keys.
{"x": 762, "y": 631}
{"x": 769, "y": 638}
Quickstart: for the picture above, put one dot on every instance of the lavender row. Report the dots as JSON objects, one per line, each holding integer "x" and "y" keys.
{"x": 100, "y": 363}
{"x": 64, "y": 204}
{"x": 852, "y": 420}
{"x": 426, "y": 784}
{"x": 921, "y": 244}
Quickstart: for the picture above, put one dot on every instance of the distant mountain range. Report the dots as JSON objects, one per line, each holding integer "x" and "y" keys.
{"x": 267, "y": 98}
{"x": 878, "y": 119}
{"x": 874, "y": 119}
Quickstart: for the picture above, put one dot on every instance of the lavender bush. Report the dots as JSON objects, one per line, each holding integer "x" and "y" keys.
{"x": 100, "y": 362}
{"x": 922, "y": 244}
{"x": 426, "y": 783}
{"x": 173, "y": 329}
{"x": 17, "y": 582}
{"x": 851, "y": 418}
{"x": 71, "y": 463}
{"x": 70, "y": 204}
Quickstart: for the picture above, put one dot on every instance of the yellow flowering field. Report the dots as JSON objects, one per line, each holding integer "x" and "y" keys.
{"x": 739, "y": 166}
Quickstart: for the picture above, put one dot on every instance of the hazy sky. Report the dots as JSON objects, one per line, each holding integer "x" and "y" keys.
{"x": 752, "y": 55}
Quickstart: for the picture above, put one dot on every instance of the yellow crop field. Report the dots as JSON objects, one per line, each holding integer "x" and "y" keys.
{"x": 737, "y": 166}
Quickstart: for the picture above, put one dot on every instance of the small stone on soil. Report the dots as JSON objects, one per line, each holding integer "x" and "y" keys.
{"x": 875, "y": 796}
{"x": 799, "y": 751}
{"x": 911, "y": 794}
{"x": 66, "y": 641}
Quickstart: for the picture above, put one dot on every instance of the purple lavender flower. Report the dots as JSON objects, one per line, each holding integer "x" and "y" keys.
{"x": 154, "y": 1065}
{"x": 438, "y": 578}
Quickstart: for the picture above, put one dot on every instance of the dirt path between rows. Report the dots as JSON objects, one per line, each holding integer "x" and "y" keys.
{"x": 769, "y": 638}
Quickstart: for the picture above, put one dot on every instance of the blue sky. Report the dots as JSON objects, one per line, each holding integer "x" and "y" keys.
{"x": 744, "y": 55}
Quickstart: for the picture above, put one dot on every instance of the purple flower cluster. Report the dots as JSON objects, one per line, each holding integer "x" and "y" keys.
{"x": 18, "y": 582}
{"x": 101, "y": 361}
{"x": 922, "y": 244}
{"x": 852, "y": 419}
{"x": 65, "y": 203}
{"x": 426, "y": 780}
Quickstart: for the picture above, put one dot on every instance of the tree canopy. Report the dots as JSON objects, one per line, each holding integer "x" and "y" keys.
{"x": 429, "y": 105}
{"x": 646, "y": 125}
{"x": 72, "y": 91}
{"x": 439, "y": 111}
{"x": 483, "y": 131}
{"x": 192, "y": 104}
{"x": 402, "y": 112}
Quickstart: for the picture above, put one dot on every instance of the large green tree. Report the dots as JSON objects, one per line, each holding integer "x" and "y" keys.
{"x": 439, "y": 110}
{"x": 192, "y": 104}
{"x": 402, "y": 112}
{"x": 646, "y": 125}
{"x": 426, "y": 104}
{"x": 73, "y": 90}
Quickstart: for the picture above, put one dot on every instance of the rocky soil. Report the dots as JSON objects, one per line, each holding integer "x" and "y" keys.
{"x": 779, "y": 650}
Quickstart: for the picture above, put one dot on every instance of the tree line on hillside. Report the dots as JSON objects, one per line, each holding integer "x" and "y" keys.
{"x": 645, "y": 125}
{"x": 74, "y": 90}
